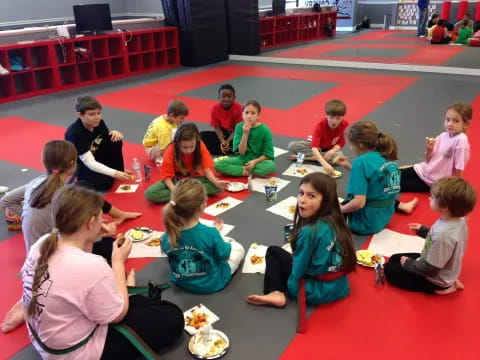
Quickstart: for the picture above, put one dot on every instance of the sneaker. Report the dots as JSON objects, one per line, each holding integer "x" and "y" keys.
{"x": 3, "y": 71}
{"x": 421, "y": 36}
{"x": 4, "y": 189}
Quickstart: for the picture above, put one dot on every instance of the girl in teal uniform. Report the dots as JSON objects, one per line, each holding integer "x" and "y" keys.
{"x": 374, "y": 178}
{"x": 253, "y": 144}
{"x": 201, "y": 261}
{"x": 321, "y": 243}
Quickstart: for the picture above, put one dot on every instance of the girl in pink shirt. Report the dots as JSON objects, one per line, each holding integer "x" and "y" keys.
{"x": 70, "y": 295}
{"x": 446, "y": 155}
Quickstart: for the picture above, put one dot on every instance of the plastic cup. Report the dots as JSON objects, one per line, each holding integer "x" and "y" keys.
{"x": 300, "y": 158}
{"x": 271, "y": 193}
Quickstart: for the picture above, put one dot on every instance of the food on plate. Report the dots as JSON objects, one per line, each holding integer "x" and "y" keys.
{"x": 254, "y": 245}
{"x": 217, "y": 348}
{"x": 137, "y": 234}
{"x": 302, "y": 171}
{"x": 210, "y": 344}
{"x": 368, "y": 258}
{"x": 256, "y": 259}
{"x": 120, "y": 240}
{"x": 291, "y": 209}
{"x": 126, "y": 187}
{"x": 197, "y": 320}
{"x": 154, "y": 242}
{"x": 272, "y": 182}
{"x": 222, "y": 205}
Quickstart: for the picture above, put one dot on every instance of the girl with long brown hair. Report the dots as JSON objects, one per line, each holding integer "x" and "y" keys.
{"x": 71, "y": 295}
{"x": 374, "y": 181}
{"x": 322, "y": 247}
{"x": 186, "y": 156}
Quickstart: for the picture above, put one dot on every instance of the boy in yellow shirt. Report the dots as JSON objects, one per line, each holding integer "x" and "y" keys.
{"x": 161, "y": 130}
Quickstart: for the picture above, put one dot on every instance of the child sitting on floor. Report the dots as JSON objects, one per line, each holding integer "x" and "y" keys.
{"x": 99, "y": 149}
{"x": 161, "y": 130}
{"x": 254, "y": 145}
{"x": 464, "y": 33}
{"x": 200, "y": 260}
{"x": 374, "y": 178}
{"x": 437, "y": 268}
{"x": 439, "y": 34}
{"x": 187, "y": 156}
{"x": 328, "y": 138}
{"x": 446, "y": 155}
{"x": 322, "y": 247}
{"x": 225, "y": 116}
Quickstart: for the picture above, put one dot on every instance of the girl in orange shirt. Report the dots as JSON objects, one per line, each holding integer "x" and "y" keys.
{"x": 186, "y": 156}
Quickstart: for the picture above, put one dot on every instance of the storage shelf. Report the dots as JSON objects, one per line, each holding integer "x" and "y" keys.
{"x": 47, "y": 66}
{"x": 283, "y": 30}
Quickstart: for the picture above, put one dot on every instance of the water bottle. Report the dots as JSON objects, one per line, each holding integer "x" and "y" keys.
{"x": 300, "y": 158}
{"x": 137, "y": 170}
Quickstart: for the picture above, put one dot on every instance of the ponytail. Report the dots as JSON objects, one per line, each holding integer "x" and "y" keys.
{"x": 387, "y": 147}
{"x": 173, "y": 224}
{"x": 48, "y": 247}
{"x": 58, "y": 158}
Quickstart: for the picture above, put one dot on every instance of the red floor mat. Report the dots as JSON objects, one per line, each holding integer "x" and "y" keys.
{"x": 394, "y": 323}
{"x": 424, "y": 54}
{"x": 374, "y": 90}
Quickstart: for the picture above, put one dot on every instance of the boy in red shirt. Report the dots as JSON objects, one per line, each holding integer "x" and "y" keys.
{"x": 328, "y": 138}
{"x": 225, "y": 115}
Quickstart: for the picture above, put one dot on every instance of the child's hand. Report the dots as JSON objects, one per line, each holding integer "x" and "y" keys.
{"x": 121, "y": 248}
{"x": 250, "y": 165}
{"x": 429, "y": 143}
{"x": 330, "y": 170}
{"x": 403, "y": 259}
{"x": 414, "y": 227}
{"x": 218, "y": 223}
{"x": 221, "y": 183}
{"x": 116, "y": 135}
{"x": 342, "y": 161}
{"x": 120, "y": 175}
{"x": 246, "y": 127}
{"x": 225, "y": 146}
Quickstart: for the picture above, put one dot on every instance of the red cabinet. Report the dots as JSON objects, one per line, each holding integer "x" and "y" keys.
{"x": 283, "y": 30}
{"x": 53, "y": 65}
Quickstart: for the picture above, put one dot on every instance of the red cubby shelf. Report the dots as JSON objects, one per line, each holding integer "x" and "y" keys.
{"x": 54, "y": 65}
{"x": 282, "y": 30}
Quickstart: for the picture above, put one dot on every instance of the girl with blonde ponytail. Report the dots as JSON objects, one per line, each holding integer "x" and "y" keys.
{"x": 70, "y": 295}
{"x": 200, "y": 260}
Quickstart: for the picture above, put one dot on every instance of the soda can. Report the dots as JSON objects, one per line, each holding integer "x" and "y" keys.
{"x": 300, "y": 158}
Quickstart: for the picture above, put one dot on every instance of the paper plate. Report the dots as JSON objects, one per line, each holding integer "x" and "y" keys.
{"x": 236, "y": 186}
{"x": 200, "y": 310}
{"x": 364, "y": 255}
{"x": 139, "y": 234}
{"x": 336, "y": 176}
{"x": 211, "y": 346}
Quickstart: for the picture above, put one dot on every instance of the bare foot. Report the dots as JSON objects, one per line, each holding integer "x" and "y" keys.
{"x": 275, "y": 298}
{"x": 124, "y": 215}
{"x": 447, "y": 291}
{"x": 459, "y": 285}
{"x": 131, "y": 278}
{"x": 13, "y": 319}
{"x": 292, "y": 156}
{"x": 408, "y": 207}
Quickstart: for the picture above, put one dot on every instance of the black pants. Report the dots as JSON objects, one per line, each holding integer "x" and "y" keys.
{"x": 212, "y": 142}
{"x": 158, "y": 324}
{"x": 396, "y": 275}
{"x": 110, "y": 155}
{"x": 278, "y": 269}
{"x": 104, "y": 248}
{"x": 411, "y": 182}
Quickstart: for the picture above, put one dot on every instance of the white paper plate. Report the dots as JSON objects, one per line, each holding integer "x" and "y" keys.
{"x": 236, "y": 186}
{"x": 217, "y": 346}
{"x": 146, "y": 233}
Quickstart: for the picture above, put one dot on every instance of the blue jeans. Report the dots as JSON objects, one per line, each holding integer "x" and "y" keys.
{"x": 422, "y": 21}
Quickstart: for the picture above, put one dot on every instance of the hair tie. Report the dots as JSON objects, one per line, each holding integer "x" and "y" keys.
{"x": 55, "y": 171}
{"x": 171, "y": 202}
{"x": 55, "y": 231}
